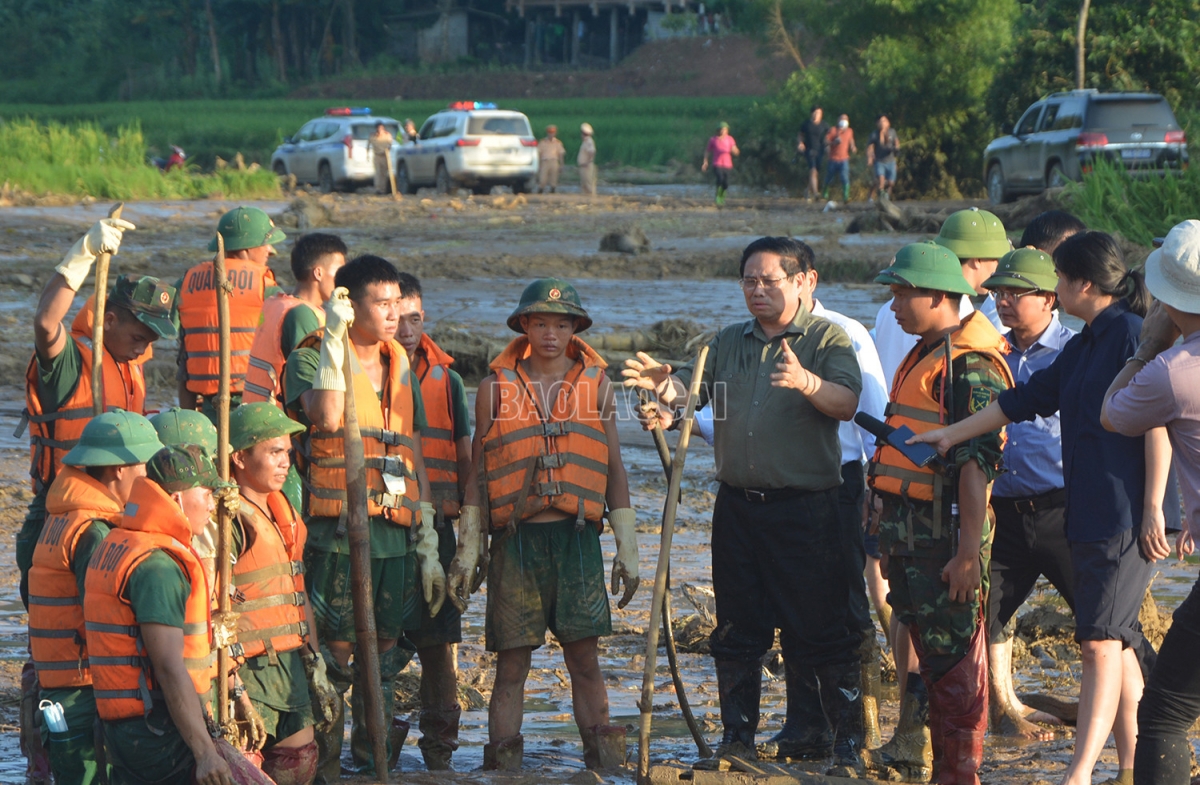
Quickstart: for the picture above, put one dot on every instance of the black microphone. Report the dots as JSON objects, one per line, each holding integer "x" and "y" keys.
{"x": 920, "y": 454}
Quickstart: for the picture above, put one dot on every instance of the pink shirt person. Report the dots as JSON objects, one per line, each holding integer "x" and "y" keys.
{"x": 721, "y": 149}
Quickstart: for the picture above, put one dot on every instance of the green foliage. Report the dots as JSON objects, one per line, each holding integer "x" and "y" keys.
{"x": 1138, "y": 208}
{"x": 927, "y": 64}
{"x": 83, "y": 160}
{"x": 629, "y": 131}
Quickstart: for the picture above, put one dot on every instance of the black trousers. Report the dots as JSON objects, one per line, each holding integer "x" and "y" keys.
{"x": 1027, "y": 546}
{"x": 779, "y": 565}
{"x": 850, "y": 505}
{"x": 1171, "y": 702}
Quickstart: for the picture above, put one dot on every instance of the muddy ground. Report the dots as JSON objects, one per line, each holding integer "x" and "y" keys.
{"x": 474, "y": 255}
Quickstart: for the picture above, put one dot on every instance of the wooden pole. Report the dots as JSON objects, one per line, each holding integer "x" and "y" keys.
{"x": 224, "y": 514}
{"x": 392, "y": 176}
{"x": 366, "y": 651}
{"x": 646, "y": 704}
{"x": 98, "y": 305}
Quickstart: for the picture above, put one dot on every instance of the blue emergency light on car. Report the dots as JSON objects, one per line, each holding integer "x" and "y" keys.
{"x": 469, "y": 105}
{"x": 348, "y": 111}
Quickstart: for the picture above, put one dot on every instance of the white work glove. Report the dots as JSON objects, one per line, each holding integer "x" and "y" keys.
{"x": 339, "y": 315}
{"x": 321, "y": 692}
{"x": 104, "y": 237}
{"x": 485, "y": 558}
{"x": 461, "y": 578}
{"x": 625, "y": 565}
{"x": 433, "y": 577}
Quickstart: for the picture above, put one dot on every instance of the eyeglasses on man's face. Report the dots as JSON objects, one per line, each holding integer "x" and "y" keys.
{"x": 750, "y": 284}
{"x": 1014, "y": 295}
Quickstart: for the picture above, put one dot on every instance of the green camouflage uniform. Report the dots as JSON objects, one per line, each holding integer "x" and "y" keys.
{"x": 918, "y": 595}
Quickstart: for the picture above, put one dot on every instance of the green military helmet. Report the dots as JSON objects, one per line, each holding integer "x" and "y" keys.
{"x": 252, "y": 423}
{"x": 182, "y": 467}
{"x": 550, "y": 295}
{"x": 974, "y": 234}
{"x": 151, "y": 300}
{"x": 185, "y": 426}
{"x": 926, "y": 265}
{"x": 117, "y": 438}
{"x": 1024, "y": 268}
{"x": 247, "y": 227}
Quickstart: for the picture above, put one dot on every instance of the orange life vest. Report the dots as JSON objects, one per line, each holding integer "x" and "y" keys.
{"x": 198, "y": 316}
{"x": 913, "y": 404}
{"x": 432, "y": 366}
{"x": 264, "y": 379}
{"x": 269, "y": 580}
{"x": 53, "y": 433}
{"x": 568, "y": 443}
{"x": 387, "y": 434}
{"x": 56, "y": 635}
{"x": 122, "y": 674}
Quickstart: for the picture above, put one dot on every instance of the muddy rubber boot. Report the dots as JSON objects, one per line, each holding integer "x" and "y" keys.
{"x": 37, "y": 760}
{"x": 391, "y": 663}
{"x": 396, "y": 738}
{"x": 504, "y": 755}
{"x": 841, "y": 695}
{"x": 439, "y": 736}
{"x": 739, "y": 685}
{"x": 870, "y": 654}
{"x": 909, "y": 753}
{"x": 806, "y": 734}
{"x": 329, "y": 743}
{"x": 291, "y": 765}
{"x": 604, "y": 746}
{"x": 961, "y": 715}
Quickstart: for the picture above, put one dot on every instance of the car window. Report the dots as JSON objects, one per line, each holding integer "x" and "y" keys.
{"x": 427, "y": 129}
{"x": 366, "y": 130}
{"x": 328, "y": 130}
{"x": 305, "y": 134}
{"x": 509, "y": 125}
{"x": 1029, "y": 121}
{"x": 1070, "y": 115}
{"x": 447, "y": 125}
{"x": 1049, "y": 116}
{"x": 1130, "y": 113}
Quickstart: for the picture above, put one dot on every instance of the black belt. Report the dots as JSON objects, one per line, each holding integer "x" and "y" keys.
{"x": 1032, "y": 504}
{"x": 767, "y": 495}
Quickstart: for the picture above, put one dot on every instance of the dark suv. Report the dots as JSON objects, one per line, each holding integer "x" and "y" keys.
{"x": 1058, "y": 137}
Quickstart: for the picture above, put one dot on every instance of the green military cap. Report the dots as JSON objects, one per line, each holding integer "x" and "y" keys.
{"x": 974, "y": 234}
{"x": 185, "y": 426}
{"x": 926, "y": 265}
{"x": 117, "y": 438}
{"x": 252, "y": 423}
{"x": 550, "y": 295}
{"x": 247, "y": 227}
{"x": 181, "y": 467}
{"x": 1024, "y": 268}
{"x": 151, "y": 300}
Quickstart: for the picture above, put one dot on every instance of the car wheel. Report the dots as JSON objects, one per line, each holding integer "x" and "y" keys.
{"x": 997, "y": 191}
{"x": 481, "y": 189}
{"x": 442, "y": 181}
{"x": 1056, "y": 177}
{"x": 280, "y": 168}
{"x": 519, "y": 186}
{"x": 402, "y": 183}
{"x": 325, "y": 178}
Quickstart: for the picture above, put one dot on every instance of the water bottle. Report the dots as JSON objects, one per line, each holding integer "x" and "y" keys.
{"x": 53, "y": 713}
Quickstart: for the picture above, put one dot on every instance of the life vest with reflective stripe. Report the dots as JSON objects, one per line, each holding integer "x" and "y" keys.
{"x": 56, "y": 635}
{"x": 268, "y": 578}
{"x": 264, "y": 375}
{"x": 567, "y": 445}
{"x": 913, "y": 404}
{"x": 52, "y": 434}
{"x": 198, "y": 317}
{"x": 387, "y": 434}
{"x": 122, "y": 674}
{"x": 432, "y": 366}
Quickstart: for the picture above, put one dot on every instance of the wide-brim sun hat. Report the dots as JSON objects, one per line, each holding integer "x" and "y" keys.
{"x": 926, "y": 265}
{"x": 974, "y": 234}
{"x": 552, "y": 296}
{"x": 116, "y": 438}
{"x": 1173, "y": 271}
{"x": 586, "y": 128}
{"x": 1024, "y": 268}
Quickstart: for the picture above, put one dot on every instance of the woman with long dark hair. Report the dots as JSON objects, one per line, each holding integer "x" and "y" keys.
{"x": 1115, "y": 486}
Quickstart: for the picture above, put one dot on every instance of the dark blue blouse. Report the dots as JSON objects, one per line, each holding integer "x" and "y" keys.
{"x": 1104, "y": 472}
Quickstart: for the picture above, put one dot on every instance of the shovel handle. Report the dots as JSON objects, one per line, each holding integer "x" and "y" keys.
{"x": 98, "y": 306}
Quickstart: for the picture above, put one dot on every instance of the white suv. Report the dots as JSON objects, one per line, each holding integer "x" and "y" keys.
{"x": 333, "y": 151}
{"x": 469, "y": 145}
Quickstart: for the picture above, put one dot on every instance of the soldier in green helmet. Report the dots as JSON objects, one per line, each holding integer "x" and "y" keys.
{"x": 933, "y": 524}
{"x": 249, "y": 237}
{"x": 84, "y": 503}
{"x": 545, "y": 426}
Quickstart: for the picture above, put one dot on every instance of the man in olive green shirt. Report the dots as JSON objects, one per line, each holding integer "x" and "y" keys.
{"x": 778, "y": 385}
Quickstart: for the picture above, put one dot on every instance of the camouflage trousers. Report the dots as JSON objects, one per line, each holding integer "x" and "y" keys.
{"x": 921, "y": 599}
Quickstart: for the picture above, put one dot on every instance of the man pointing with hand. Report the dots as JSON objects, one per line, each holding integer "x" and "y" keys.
{"x": 778, "y": 385}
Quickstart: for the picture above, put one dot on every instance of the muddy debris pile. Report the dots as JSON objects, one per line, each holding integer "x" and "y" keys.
{"x": 890, "y": 217}
{"x": 628, "y": 240}
{"x": 306, "y": 213}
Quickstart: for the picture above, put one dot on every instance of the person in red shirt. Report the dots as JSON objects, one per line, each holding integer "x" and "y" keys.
{"x": 840, "y": 141}
{"x": 722, "y": 148}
